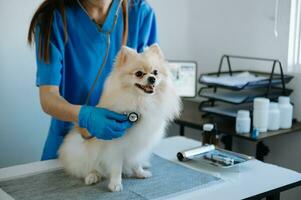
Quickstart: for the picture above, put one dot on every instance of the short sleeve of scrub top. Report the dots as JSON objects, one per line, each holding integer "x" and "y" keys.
{"x": 74, "y": 64}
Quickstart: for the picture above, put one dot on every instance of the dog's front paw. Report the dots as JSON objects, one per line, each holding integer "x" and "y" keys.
{"x": 115, "y": 187}
{"x": 142, "y": 174}
{"x": 91, "y": 179}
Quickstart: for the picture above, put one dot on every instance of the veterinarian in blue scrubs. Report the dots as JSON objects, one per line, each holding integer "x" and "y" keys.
{"x": 71, "y": 43}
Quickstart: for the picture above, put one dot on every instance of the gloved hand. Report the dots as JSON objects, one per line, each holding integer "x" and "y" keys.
{"x": 103, "y": 123}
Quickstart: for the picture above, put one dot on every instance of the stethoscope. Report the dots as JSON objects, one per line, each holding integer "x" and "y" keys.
{"x": 132, "y": 116}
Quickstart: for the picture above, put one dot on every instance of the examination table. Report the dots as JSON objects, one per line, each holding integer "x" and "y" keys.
{"x": 252, "y": 180}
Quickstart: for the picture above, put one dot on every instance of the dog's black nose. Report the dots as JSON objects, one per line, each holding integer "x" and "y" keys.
{"x": 151, "y": 80}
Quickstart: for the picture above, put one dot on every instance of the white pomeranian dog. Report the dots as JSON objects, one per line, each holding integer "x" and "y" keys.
{"x": 141, "y": 83}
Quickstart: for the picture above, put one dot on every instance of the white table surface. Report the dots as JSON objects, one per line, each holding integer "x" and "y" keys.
{"x": 252, "y": 178}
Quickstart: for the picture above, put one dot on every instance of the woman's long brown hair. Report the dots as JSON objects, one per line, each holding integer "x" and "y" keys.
{"x": 43, "y": 17}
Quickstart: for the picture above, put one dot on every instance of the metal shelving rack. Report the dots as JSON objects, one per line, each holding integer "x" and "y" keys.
{"x": 269, "y": 84}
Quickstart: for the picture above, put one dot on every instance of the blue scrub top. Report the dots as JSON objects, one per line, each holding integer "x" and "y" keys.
{"x": 74, "y": 65}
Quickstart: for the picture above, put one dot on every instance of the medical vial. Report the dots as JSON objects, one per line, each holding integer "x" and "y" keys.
{"x": 261, "y": 114}
{"x": 286, "y": 112}
{"x": 274, "y": 117}
{"x": 243, "y": 122}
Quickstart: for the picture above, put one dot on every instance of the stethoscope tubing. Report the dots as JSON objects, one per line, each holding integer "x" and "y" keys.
{"x": 104, "y": 61}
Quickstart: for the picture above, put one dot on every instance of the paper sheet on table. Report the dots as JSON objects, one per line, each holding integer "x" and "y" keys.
{"x": 240, "y": 79}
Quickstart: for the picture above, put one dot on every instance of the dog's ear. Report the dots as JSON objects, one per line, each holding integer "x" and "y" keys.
{"x": 156, "y": 50}
{"x": 123, "y": 56}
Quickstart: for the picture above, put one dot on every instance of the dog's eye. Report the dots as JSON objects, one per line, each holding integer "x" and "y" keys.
{"x": 155, "y": 72}
{"x": 139, "y": 74}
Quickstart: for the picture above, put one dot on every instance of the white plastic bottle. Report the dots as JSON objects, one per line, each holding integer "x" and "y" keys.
{"x": 261, "y": 114}
{"x": 243, "y": 122}
{"x": 274, "y": 117}
{"x": 286, "y": 112}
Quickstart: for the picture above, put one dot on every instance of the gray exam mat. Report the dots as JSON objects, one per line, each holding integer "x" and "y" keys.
{"x": 168, "y": 179}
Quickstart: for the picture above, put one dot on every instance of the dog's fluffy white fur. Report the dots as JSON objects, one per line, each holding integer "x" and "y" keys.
{"x": 128, "y": 155}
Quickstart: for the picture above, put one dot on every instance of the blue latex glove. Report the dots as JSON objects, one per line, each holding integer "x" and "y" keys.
{"x": 103, "y": 123}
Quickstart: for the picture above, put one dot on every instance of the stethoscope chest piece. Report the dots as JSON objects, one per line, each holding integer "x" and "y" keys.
{"x": 133, "y": 116}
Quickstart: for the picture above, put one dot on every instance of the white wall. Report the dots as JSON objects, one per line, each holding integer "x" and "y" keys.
{"x": 23, "y": 126}
{"x": 216, "y": 27}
